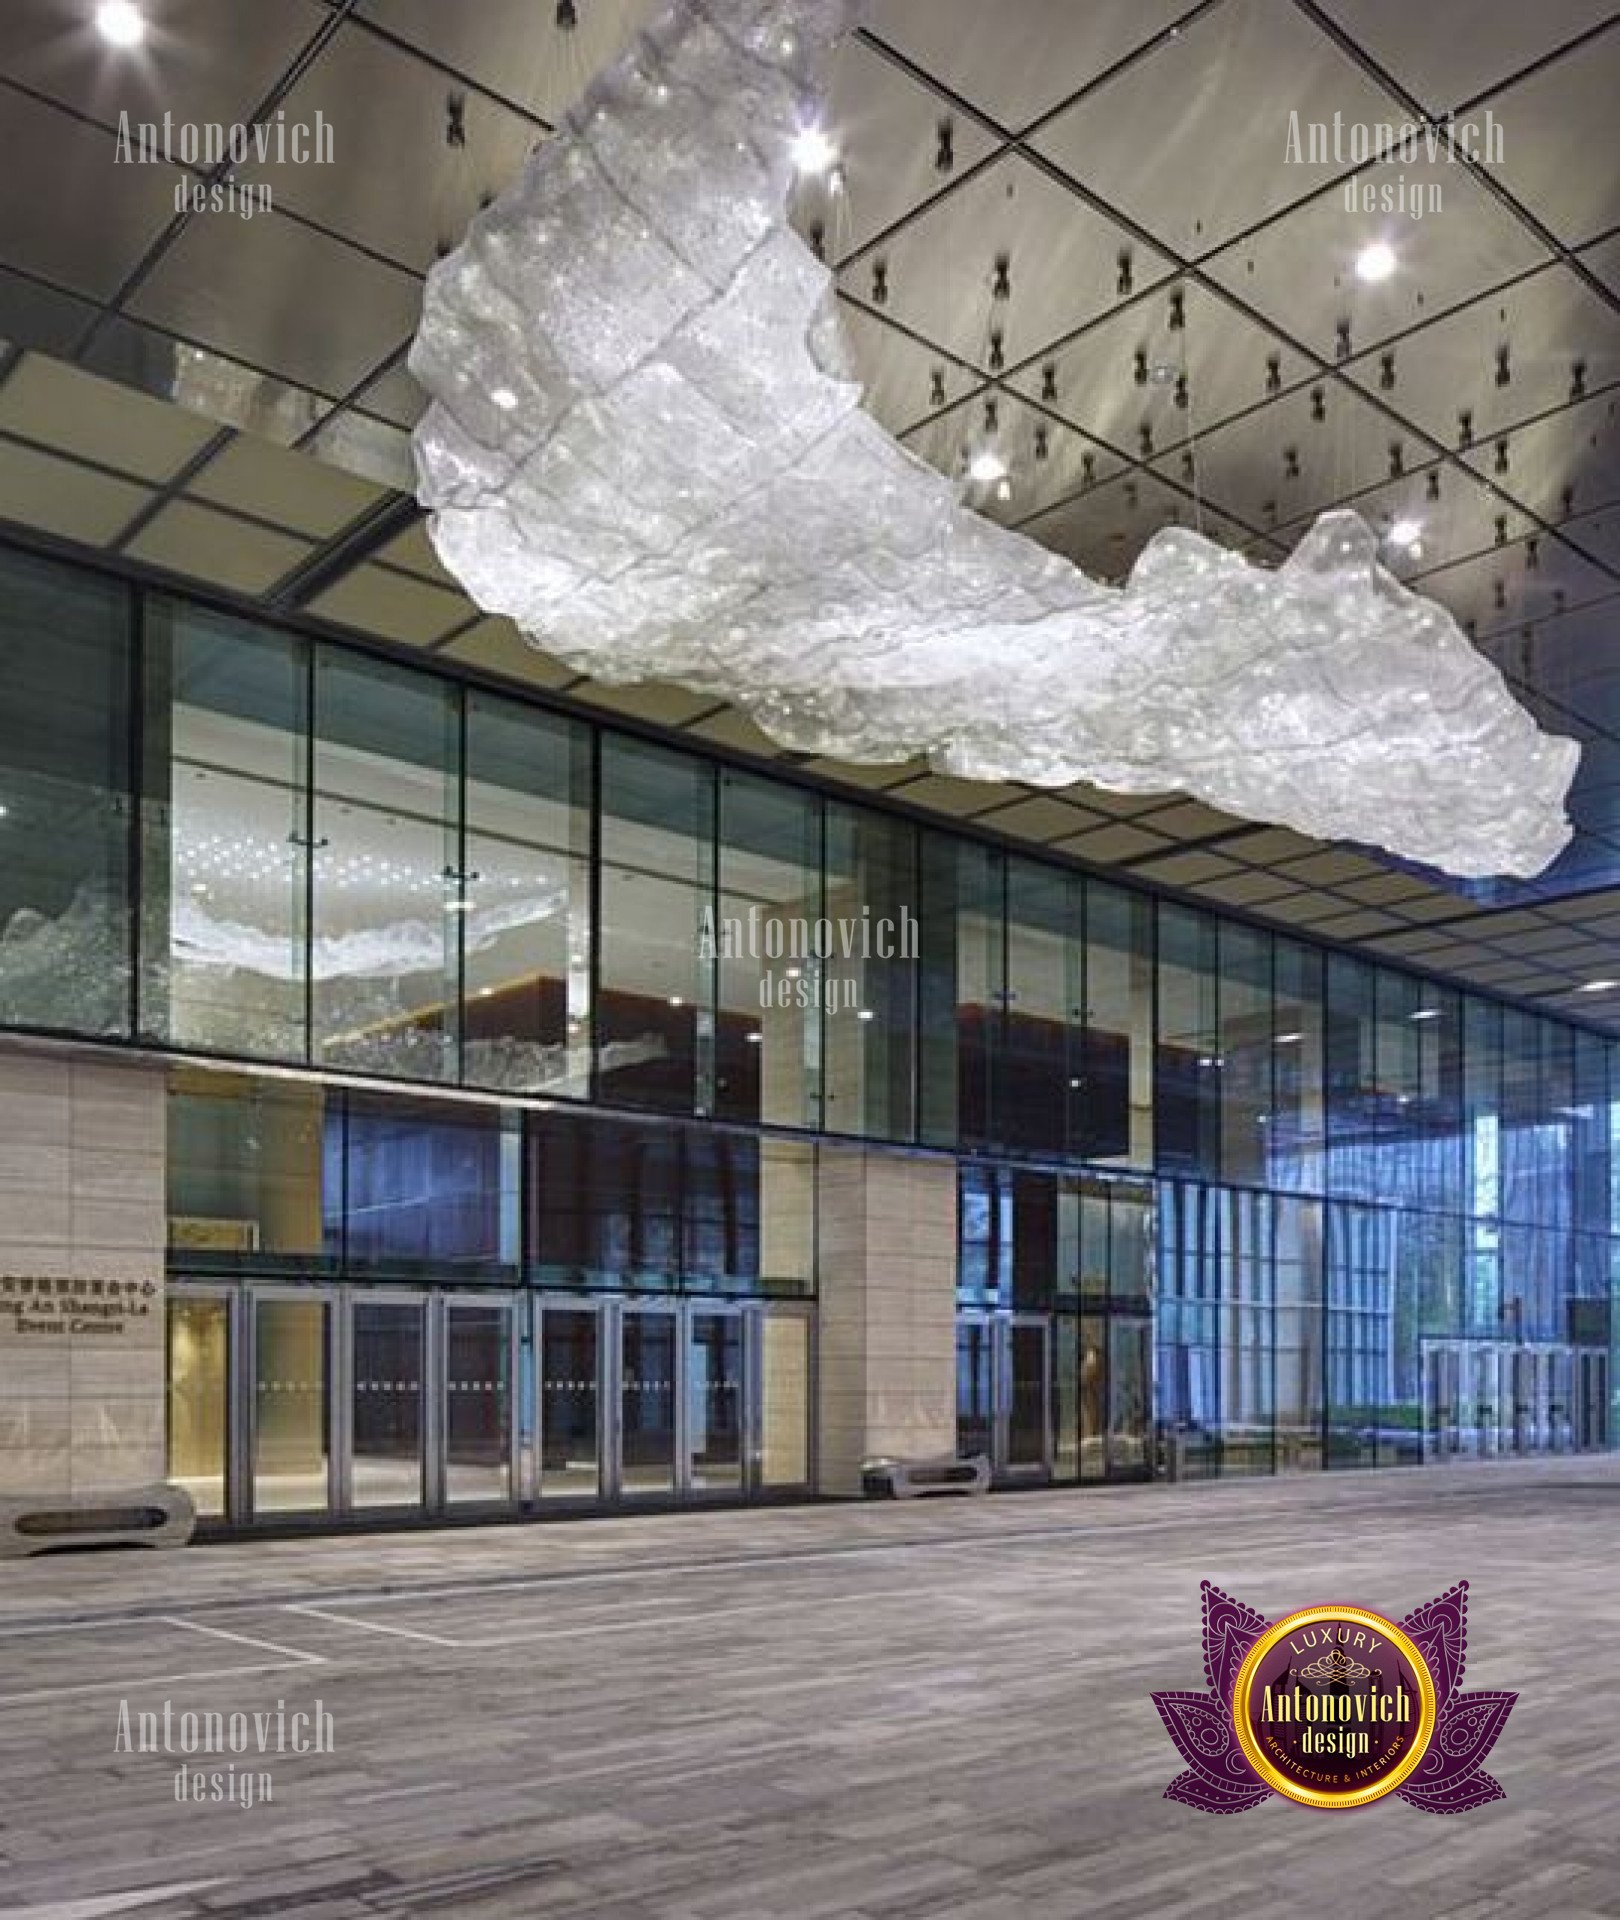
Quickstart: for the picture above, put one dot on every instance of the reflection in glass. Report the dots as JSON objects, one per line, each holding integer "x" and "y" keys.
{"x": 1026, "y": 1394}
{"x": 290, "y": 1412}
{"x": 390, "y": 896}
{"x": 1066, "y": 1397}
{"x": 526, "y": 1013}
{"x": 570, "y": 1455}
{"x": 869, "y": 1026}
{"x": 65, "y": 781}
{"x": 225, "y": 911}
{"x": 714, "y": 1401}
{"x": 975, "y": 1388}
{"x": 1093, "y": 1338}
{"x": 784, "y": 1400}
{"x": 477, "y": 1403}
{"x": 647, "y": 1402}
{"x": 199, "y": 1369}
{"x": 655, "y": 1013}
{"x": 247, "y": 1176}
{"x": 386, "y": 1408}
{"x": 1130, "y": 1396}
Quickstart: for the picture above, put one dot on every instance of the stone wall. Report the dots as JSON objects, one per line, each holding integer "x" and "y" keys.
{"x": 81, "y": 1208}
{"x": 887, "y": 1339}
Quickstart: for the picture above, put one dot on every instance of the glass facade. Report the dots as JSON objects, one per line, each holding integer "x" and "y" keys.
{"x": 1225, "y": 1193}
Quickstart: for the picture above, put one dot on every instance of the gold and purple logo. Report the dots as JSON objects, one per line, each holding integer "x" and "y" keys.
{"x": 1334, "y": 1707}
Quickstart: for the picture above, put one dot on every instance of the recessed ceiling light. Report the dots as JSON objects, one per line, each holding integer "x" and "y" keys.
{"x": 1289, "y": 1039}
{"x": 504, "y": 398}
{"x": 1406, "y": 533}
{"x": 4, "y": 810}
{"x": 813, "y": 152}
{"x": 675, "y": 1000}
{"x": 866, "y": 1013}
{"x": 754, "y": 1039}
{"x": 1427, "y": 1013}
{"x": 120, "y": 23}
{"x": 987, "y": 467}
{"x": 1376, "y": 262}
{"x": 1598, "y": 986}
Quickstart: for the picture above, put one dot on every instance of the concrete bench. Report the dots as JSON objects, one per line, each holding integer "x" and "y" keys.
{"x": 155, "y": 1516}
{"x": 889, "y": 1479}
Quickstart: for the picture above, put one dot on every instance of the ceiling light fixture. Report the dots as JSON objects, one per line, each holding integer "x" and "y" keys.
{"x": 1598, "y": 986}
{"x": 120, "y": 23}
{"x": 1407, "y": 534}
{"x": 504, "y": 398}
{"x": 700, "y": 478}
{"x": 1376, "y": 262}
{"x": 1289, "y": 1039}
{"x": 1427, "y": 1013}
{"x": 813, "y": 151}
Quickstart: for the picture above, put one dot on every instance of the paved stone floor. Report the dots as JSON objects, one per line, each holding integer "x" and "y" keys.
{"x": 936, "y": 1710}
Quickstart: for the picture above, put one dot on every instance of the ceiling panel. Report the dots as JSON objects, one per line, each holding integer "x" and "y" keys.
{"x": 1062, "y": 264}
{"x": 273, "y": 483}
{"x": 218, "y": 548}
{"x": 98, "y": 420}
{"x": 516, "y": 48}
{"x": 377, "y": 600}
{"x": 1558, "y": 337}
{"x": 62, "y": 497}
{"x": 1445, "y": 68}
{"x": 1560, "y": 155}
{"x": 90, "y": 229}
{"x": 1245, "y": 51}
{"x": 405, "y": 191}
{"x": 52, "y": 47}
{"x": 983, "y": 52}
{"x": 243, "y": 287}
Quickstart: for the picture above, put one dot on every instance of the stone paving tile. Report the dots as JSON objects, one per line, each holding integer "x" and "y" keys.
{"x": 936, "y": 1712}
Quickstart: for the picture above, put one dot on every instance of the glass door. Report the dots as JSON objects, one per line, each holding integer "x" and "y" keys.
{"x": 570, "y": 1401}
{"x": 714, "y": 1399}
{"x": 291, "y": 1376}
{"x": 477, "y": 1403}
{"x": 975, "y": 1380}
{"x": 199, "y": 1378}
{"x": 1026, "y": 1417}
{"x": 387, "y": 1403}
{"x": 1130, "y": 1397}
{"x": 649, "y": 1353}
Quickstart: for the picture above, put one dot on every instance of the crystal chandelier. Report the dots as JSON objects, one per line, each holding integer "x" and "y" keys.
{"x": 646, "y": 447}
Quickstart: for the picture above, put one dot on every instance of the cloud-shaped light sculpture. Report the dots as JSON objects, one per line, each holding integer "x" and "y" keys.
{"x": 646, "y": 446}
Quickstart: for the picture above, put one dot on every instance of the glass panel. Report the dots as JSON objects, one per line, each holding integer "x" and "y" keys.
{"x": 199, "y": 1375}
{"x": 527, "y": 933}
{"x": 65, "y": 779}
{"x": 785, "y": 1400}
{"x": 1093, "y": 1396}
{"x": 427, "y": 1187}
{"x": 975, "y": 1385}
{"x": 477, "y": 1403}
{"x": 714, "y": 1401}
{"x": 290, "y": 1411}
{"x": 1066, "y": 1397}
{"x": 1298, "y": 1283}
{"x": 1365, "y": 1420}
{"x": 1035, "y": 1238}
{"x": 247, "y": 1173}
{"x": 787, "y": 1216}
{"x": 1130, "y": 1396}
{"x": 1295, "y": 1132}
{"x": 768, "y": 1031}
{"x": 226, "y": 871}
{"x": 1043, "y": 1052}
{"x": 389, "y": 894}
{"x": 869, "y": 1003}
{"x": 1026, "y": 1394}
{"x": 570, "y": 1457}
{"x": 1115, "y": 1115}
{"x": 647, "y": 1402}
{"x": 1244, "y": 1052}
{"x": 1188, "y": 1065}
{"x": 655, "y": 1014}
{"x": 387, "y": 1404}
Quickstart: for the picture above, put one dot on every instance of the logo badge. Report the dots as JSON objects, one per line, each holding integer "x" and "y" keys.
{"x": 1334, "y": 1707}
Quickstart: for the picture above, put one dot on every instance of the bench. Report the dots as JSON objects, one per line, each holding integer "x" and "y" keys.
{"x": 890, "y": 1479}
{"x": 155, "y": 1516}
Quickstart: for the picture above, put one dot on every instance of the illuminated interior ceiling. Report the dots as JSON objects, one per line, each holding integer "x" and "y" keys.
{"x": 1144, "y": 130}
